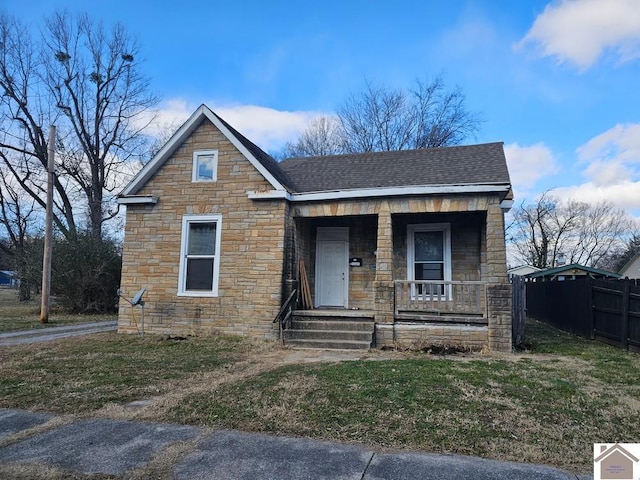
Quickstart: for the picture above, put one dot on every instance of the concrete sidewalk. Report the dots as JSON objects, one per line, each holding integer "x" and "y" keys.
{"x": 125, "y": 449}
{"x": 47, "y": 334}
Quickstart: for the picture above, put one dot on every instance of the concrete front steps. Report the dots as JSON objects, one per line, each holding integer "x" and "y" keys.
{"x": 330, "y": 329}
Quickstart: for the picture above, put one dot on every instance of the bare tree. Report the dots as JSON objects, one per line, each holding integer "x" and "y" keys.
{"x": 385, "y": 119}
{"x": 87, "y": 81}
{"x": 530, "y": 231}
{"x": 583, "y": 233}
{"x": 16, "y": 215}
{"x": 602, "y": 228}
{"x": 16, "y": 230}
{"x": 322, "y": 137}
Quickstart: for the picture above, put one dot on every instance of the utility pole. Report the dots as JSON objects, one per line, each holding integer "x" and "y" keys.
{"x": 48, "y": 232}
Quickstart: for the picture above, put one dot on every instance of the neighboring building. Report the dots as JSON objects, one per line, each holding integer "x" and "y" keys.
{"x": 570, "y": 272}
{"x": 410, "y": 242}
{"x": 631, "y": 268}
{"x": 9, "y": 278}
{"x": 522, "y": 270}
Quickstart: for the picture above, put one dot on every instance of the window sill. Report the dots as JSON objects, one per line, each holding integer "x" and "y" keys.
{"x": 198, "y": 294}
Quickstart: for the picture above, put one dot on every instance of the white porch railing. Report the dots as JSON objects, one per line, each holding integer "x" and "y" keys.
{"x": 440, "y": 297}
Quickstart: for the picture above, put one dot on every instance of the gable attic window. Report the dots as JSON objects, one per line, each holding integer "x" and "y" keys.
{"x": 200, "y": 255}
{"x": 205, "y": 166}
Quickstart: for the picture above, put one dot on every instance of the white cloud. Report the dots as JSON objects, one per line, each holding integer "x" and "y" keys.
{"x": 527, "y": 165}
{"x": 268, "y": 128}
{"x": 620, "y": 143}
{"x": 579, "y": 31}
{"x": 625, "y": 195}
{"x": 611, "y": 163}
{"x": 472, "y": 35}
{"x": 603, "y": 173}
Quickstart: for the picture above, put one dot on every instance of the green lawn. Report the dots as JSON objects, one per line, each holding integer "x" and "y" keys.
{"x": 16, "y": 315}
{"x": 548, "y": 404}
{"x": 83, "y": 374}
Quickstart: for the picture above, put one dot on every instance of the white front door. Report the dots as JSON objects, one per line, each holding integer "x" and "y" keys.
{"x": 332, "y": 267}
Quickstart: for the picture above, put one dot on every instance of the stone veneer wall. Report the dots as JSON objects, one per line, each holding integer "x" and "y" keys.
{"x": 408, "y": 335}
{"x": 362, "y": 244}
{"x": 251, "y": 253}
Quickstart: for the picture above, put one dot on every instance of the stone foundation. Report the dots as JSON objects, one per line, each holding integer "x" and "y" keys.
{"x": 409, "y": 335}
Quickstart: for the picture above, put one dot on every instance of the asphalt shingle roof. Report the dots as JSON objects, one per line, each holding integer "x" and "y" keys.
{"x": 264, "y": 158}
{"x": 460, "y": 165}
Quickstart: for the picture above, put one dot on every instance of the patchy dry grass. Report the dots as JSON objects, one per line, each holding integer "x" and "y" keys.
{"x": 83, "y": 374}
{"x": 545, "y": 405}
{"x": 16, "y": 315}
{"x": 546, "y": 408}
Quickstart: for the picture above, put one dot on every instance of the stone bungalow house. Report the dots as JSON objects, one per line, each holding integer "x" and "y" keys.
{"x": 404, "y": 246}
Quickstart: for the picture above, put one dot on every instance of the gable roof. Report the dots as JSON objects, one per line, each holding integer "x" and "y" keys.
{"x": 266, "y": 165}
{"x": 460, "y": 169}
{"x": 264, "y": 158}
{"x": 572, "y": 266}
{"x": 629, "y": 264}
{"x": 522, "y": 268}
{"x": 483, "y": 164}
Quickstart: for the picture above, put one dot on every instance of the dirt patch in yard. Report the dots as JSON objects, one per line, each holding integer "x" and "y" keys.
{"x": 262, "y": 358}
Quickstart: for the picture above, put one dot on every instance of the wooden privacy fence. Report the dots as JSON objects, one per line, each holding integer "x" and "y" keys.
{"x": 604, "y": 310}
{"x": 518, "y": 309}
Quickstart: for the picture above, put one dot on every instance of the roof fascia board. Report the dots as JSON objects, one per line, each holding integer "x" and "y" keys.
{"x": 506, "y": 205}
{"x": 165, "y": 152}
{"x": 137, "y": 200}
{"x": 572, "y": 266}
{"x": 180, "y": 136}
{"x": 270, "y": 195}
{"x": 398, "y": 191}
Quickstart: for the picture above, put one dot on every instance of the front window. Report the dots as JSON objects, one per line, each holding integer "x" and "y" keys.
{"x": 429, "y": 256}
{"x": 200, "y": 258}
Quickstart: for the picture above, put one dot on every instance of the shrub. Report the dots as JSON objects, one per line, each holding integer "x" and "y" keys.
{"x": 85, "y": 272}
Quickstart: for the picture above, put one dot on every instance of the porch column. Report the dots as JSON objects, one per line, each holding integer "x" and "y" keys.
{"x": 498, "y": 286}
{"x": 496, "y": 250}
{"x": 383, "y": 283}
{"x": 499, "y": 311}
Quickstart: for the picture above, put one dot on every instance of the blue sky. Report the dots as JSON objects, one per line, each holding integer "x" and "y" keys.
{"x": 556, "y": 81}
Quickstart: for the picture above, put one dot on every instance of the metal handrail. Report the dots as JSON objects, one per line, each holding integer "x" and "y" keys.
{"x": 284, "y": 314}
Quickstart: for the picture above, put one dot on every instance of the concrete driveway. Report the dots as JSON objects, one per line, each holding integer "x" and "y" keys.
{"x": 53, "y": 333}
{"x": 125, "y": 449}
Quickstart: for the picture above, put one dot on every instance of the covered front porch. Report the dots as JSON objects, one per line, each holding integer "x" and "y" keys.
{"x": 422, "y": 314}
{"x": 429, "y": 269}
